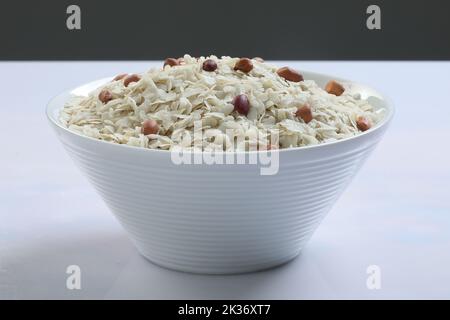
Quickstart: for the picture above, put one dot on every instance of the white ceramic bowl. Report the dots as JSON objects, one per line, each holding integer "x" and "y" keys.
{"x": 219, "y": 219}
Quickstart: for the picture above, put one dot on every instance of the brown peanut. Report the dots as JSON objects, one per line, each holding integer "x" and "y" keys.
{"x": 290, "y": 74}
{"x": 362, "y": 123}
{"x": 209, "y": 65}
{"x": 131, "y": 78}
{"x": 150, "y": 126}
{"x": 334, "y": 87}
{"x": 120, "y": 76}
{"x": 244, "y": 64}
{"x": 171, "y": 62}
{"x": 241, "y": 104}
{"x": 305, "y": 113}
{"x": 105, "y": 96}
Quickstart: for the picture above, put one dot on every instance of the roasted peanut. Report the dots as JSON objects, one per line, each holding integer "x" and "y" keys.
{"x": 209, "y": 65}
{"x": 241, "y": 104}
{"x": 120, "y": 76}
{"x": 334, "y": 87}
{"x": 105, "y": 96}
{"x": 172, "y": 62}
{"x": 244, "y": 64}
{"x": 305, "y": 113}
{"x": 290, "y": 74}
{"x": 363, "y": 123}
{"x": 150, "y": 126}
{"x": 131, "y": 78}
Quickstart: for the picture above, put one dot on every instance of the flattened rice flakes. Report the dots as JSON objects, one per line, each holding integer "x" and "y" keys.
{"x": 247, "y": 97}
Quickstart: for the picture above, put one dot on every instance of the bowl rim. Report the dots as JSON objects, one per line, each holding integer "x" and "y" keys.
{"x": 384, "y": 122}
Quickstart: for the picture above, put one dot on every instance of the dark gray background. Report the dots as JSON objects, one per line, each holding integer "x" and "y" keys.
{"x": 277, "y": 29}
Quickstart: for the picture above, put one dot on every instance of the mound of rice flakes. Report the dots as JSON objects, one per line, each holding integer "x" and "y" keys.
{"x": 226, "y": 100}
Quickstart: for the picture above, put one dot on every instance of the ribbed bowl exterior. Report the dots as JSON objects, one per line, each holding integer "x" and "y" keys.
{"x": 218, "y": 219}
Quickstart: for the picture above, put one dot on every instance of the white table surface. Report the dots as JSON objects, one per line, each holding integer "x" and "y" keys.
{"x": 395, "y": 214}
